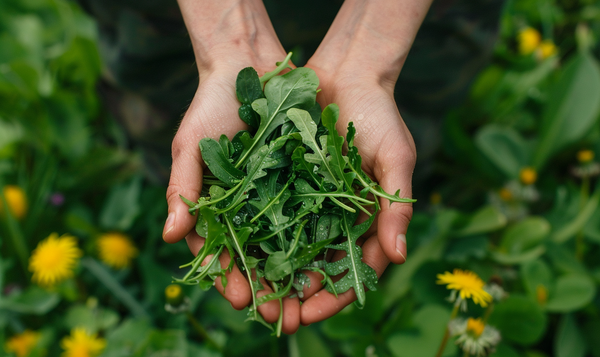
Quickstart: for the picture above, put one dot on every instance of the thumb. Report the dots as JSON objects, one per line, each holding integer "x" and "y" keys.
{"x": 185, "y": 181}
{"x": 392, "y": 224}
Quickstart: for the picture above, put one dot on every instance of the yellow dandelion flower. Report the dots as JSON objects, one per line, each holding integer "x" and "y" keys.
{"x": 54, "y": 259}
{"x": 546, "y": 49}
{"x": 468, "y": 285}
{"x": 585, "y": 156}
{"x": 505, "y": 194}
{"x": 528, "y": 40}
{"x": 475, "y": 326}
{"x": 82, "y": 344}
{"x": 116, "y": 250}
{"x": 22, "y": 344}
{"x": 16, "y": 201}
{"x": 541, "y": 294}
{"x": 528, "y": 176}
{"x": 174, "y": 294}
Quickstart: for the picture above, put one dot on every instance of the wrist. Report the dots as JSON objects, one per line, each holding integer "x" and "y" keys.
{"x": 371, "y": 38}
{"x": 231, "y": 34}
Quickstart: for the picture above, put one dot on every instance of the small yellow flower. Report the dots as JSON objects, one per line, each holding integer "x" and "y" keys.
{"x": 82, "y": 344}
{"x": 585, "y": 156}
{"x": 174, "y": 294}
{"x": 546, "y": 49}
{"x": 22, "y": 344}
{"x": 475, "y": 326}
{"x": 528, "y": 39}
{"x": 54, "y": 259}
{"x": 435, "y": 198}
{"x": 116, "y": 250}
{"x": 505, "y": 194}
{"x": 468, "y": 285}
{"x": 16, "y": 201}
{"x": 541, "y": 294}
{"x": 528, "y": 176}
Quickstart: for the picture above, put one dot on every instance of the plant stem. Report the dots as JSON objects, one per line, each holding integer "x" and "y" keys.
{"x": 202, "y": 332}
{"x": 447, "y": 332}
{"x": 283, "y": 65}
{"x": 579, "y": 239}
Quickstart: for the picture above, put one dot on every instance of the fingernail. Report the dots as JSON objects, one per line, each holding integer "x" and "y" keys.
{"x": 169, "y": 224}
{"x": 401, "y": 245}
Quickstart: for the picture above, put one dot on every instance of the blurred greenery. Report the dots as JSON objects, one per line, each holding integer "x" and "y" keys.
{"x": 538, "y": 237}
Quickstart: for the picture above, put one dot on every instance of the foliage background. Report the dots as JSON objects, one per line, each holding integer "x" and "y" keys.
{"x": 83, "y": 176}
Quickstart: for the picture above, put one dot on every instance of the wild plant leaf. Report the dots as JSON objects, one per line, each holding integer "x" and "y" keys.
{"x": 328, "y": 227}
{"x": 308, "y": 131}
{"x": 257, "y": 164}
{"x": 278, "y": 266}
{"x": 218, "y": 162}
{"x": 295, "y": 89}
{"x": 358, "y": 272}
{"x": 335, "y": 142}
{"x": 302, "y": 165}
{"x": 305, "y": 255}
{"x": 309, "y": 203}
{"x": 271, "y": 201}
{"x": 247, "y": 86}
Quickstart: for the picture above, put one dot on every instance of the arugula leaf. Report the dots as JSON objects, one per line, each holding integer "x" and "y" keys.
{"x": 247, "y": 86}
{"x": 295, "y": 89}
{"x": 359, "y": 272}
{"x": 218, "y": 162}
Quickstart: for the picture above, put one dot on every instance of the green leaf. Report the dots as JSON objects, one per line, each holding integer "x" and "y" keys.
{"x": 571, "y": 292}
{"x": 278, "y": 266}
{"x": 571, "y": 109}
{"x": 519, "y": 319}
{"x": 218, "y": 162}
{"x": 247, "y": 86}
{"x": 122, "y": 206}
{"x": 34, "y": 300}
{"x": 308, "y": 131}
{"x": 306, "y": 342}
{"x": 92, "y": 319}
{"x": 486, "y": 219}
{"x": 535, "y": 274}
{"x": 569, "y": 341}
{"x": 504, "y": 147}
{"x": 524, "y": 235}
{"x": 328, "y": 226}
{"x": 295, "y": 89}
{"x": 430, "y": 322}
{"x": 358, "y": 272}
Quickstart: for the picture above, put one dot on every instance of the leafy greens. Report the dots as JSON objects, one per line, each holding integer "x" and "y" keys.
{"x": 282, "y": 194}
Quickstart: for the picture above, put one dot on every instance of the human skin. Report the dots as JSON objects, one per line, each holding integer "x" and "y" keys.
{"x": 358, "y": 63}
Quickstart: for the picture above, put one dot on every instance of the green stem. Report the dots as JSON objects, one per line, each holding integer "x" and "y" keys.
{"x": 447, "y": 332}
{"x": 280, "y": 318}
{"x": 202, "y": 332}
{"x": 271, "y": 203}
{"x": 283, "y": 65}
{"x": 339, "y": 203}
{"x": 296, "y": 239}
{"x": 579, "y": 238}
{"x": 240, "y": 250}
{"x": 114, "y": 286}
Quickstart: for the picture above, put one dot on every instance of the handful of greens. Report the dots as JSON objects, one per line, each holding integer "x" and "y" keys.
{"x": 283, "y": 193}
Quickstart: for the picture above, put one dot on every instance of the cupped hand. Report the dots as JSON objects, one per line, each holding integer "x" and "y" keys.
{"x": 388, "y": 156}
{"x": 213, "y": 112}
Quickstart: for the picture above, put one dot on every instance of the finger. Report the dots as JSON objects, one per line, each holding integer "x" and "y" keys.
{"x": 185, "y": 181}
{"x": 237, "y": 291}
{"x": 270, "y": 309}
{"x": 315, "y": 284}
{"x": 291, "y": 315}
{"x": 397, "y": 163}
{"x": 324, "y": 304}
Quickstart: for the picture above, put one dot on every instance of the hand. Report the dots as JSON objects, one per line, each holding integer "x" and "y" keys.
{"x": 241, "y": 36}
{"x": 389, "y": 156}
